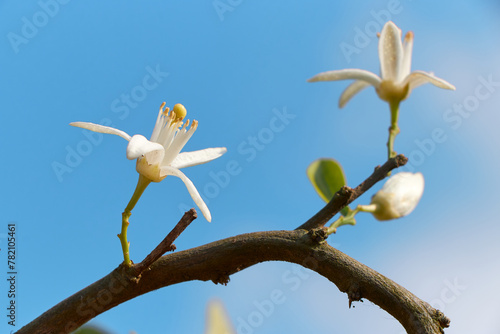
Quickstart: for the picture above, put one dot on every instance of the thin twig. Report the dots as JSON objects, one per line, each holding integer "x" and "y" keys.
{"x": 167, "y": 244}
{"x": 347, "y": 195}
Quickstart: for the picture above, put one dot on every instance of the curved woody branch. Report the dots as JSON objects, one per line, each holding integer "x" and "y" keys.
{"x": 218, "y": 260}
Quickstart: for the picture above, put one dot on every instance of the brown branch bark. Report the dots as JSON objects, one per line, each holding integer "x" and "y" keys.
{"x": 218, "y": 260}
{"x": 167, "y": 244}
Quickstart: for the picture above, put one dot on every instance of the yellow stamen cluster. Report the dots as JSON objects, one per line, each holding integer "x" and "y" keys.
{"x": 180, "y": 111}
{"x": 176, "y": 115}
{"x": 165, "y": 112}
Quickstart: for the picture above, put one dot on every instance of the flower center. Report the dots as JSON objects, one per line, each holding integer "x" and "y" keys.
{"x": 392, "y": 92}
{"x": 150, "y": 171}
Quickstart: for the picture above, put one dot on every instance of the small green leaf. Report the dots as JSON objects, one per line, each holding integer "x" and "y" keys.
{"x": 345, "y": 210}
{"x": 327, "y": 177}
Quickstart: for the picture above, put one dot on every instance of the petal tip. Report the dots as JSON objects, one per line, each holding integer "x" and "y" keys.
{"x": 206, "y": 212}
{"x": 77, "y": 124}
{"x": 390, "y": 25}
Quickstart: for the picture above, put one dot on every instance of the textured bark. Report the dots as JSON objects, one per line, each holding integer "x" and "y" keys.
{"x": 218, "y": 260}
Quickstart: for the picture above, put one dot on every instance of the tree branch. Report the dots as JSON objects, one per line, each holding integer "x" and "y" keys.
{"x": 218, "y": 260}
{"x": 346, "y": 195}
{"x": 167, "y": 244}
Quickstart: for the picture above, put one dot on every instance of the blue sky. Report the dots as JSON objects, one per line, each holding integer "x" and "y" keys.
{"x": 235, "y": 70}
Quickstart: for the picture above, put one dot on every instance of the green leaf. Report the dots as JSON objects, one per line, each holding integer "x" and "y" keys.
{"x": 327, "y": 176}
{"x": 345, "y": 210}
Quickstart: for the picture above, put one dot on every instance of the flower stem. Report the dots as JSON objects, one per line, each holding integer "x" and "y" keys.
{"x": 393, "y": 129}
{"x": 348, "y": 219}
{"x": 142, "y": 183}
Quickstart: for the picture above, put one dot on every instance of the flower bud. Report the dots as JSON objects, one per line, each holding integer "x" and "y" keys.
{"x": 399, "y": 196}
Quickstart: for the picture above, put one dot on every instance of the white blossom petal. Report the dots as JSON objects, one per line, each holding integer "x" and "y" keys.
{"x": 390, "y": 50}
{"x": 167, "y": 170}
{"x": 188, "y": 159}
{"x": 139, "y": 146}
{"x": 155, "y": 157}
{"x": 347, "y": 74}
{"x": 351, "y": 90}
{"x": 407, "y": 53}
{"x": 101, "y": 129}
{"x": 418, "y": 78}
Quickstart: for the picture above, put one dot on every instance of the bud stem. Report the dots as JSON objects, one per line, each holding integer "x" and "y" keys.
{"x": 367, "y": 208}
{"x": 348, "y": 219}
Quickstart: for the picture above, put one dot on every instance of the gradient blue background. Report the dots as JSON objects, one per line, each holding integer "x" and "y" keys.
{"x": 231, "y": 71}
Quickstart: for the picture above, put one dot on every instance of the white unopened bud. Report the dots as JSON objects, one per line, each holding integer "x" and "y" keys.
{"x": 399, "y": 196}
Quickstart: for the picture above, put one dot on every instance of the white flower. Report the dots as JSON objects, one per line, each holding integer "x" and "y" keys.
{"x": 399, "y": 196}
{"x": 159, "y": 157}
{"x": 395, "y": 81}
